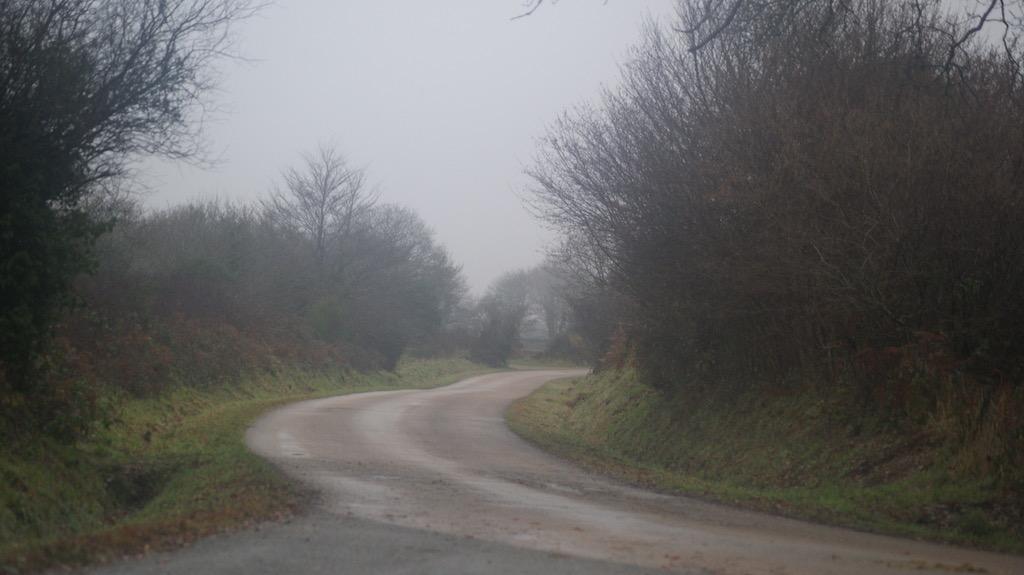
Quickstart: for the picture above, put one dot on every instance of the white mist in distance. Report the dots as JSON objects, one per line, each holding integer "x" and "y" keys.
{"x": 442, "y": 102}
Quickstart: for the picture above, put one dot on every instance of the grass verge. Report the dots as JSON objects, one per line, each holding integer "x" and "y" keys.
{"x": 789, "y": 455}
{"x": 175, "y": 468}
{"x": 529, "y": 363}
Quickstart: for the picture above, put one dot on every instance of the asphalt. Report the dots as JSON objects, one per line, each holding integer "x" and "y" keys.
{"x": 325, "y": 543}
{"x": 434, "y": 482}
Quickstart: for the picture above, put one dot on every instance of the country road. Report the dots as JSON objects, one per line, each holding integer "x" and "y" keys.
{"x": 434, "y": 482}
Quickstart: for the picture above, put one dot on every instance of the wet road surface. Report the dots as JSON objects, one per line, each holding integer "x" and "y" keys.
{"x": 434, "y": 482}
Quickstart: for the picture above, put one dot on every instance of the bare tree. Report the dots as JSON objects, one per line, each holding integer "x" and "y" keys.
{"x": 531, "y": 7}
{"x": 323, "y": 199}
{"x": 959, "y": 26}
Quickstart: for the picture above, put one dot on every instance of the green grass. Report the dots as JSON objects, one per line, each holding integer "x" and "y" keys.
{"x": 527, "y": 363}
{"x": 173, "y": 469}
{"x": 792, "y": 454}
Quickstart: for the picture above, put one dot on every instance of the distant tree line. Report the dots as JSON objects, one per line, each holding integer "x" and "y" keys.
{"x": 803, "y": 190}
{"x": 527, "y": 301}
{"x": 205, "y": 293}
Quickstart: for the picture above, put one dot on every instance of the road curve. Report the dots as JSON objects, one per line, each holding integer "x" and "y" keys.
{"x": 443, "y": 460}
{"x": 434, "y": 482}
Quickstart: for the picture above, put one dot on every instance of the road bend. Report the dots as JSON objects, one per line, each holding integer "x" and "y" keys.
{"x": 434, "y": 482}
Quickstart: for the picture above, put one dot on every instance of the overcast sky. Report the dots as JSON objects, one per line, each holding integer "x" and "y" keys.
{"x": 442, "y": 101}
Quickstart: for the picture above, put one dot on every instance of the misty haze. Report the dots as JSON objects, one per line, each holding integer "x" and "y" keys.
{"x": 516, "y": 286}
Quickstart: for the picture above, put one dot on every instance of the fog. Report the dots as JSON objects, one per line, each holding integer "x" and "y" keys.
{"x": 441, "y": 102}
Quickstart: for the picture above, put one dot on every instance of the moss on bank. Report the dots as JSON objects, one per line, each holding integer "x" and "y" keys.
{"x": 174, "y": 468}
{"x": 796, "y": 454}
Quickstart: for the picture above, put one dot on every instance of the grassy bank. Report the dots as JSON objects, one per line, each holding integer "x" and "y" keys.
{"x": 173, "y": 468}
{"x": 544, "y": 363}
{"x": 790, "y": 454}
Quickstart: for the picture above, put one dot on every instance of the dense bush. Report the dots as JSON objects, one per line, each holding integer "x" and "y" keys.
{"x": 87, "y": 86}
{"x": 780, "y": 189}
{"x": 203, "y": 294}
{"x": 234, "y": 271}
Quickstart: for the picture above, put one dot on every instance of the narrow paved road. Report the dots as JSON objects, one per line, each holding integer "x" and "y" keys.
{"x": 434, "y": 482}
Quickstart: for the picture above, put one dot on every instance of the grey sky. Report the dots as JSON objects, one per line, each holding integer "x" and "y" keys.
{"x": 441, "y": 100}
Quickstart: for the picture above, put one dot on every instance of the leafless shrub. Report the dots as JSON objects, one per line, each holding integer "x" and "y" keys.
{"x": 778, "y": 185}
{"x": 323, "y": 199}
